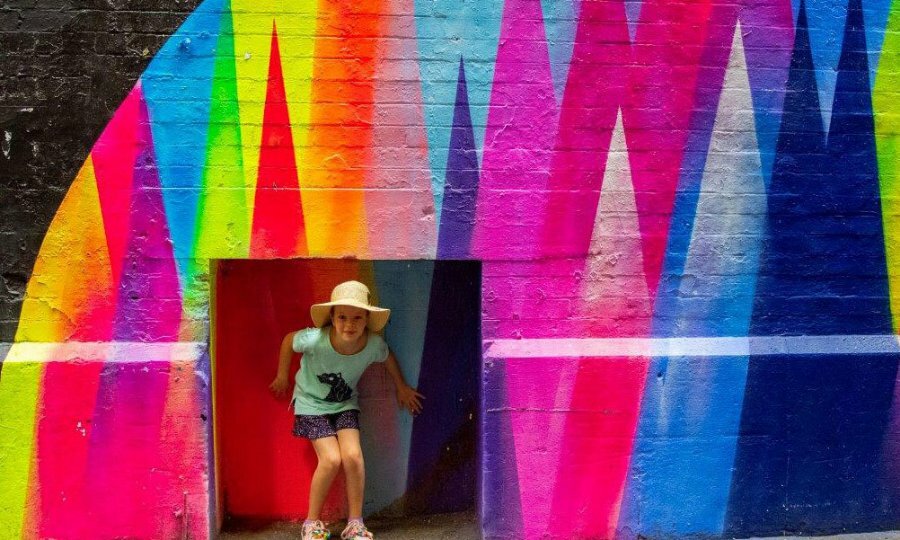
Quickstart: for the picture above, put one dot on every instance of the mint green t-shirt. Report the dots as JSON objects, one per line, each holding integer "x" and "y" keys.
{"x": 326, "y": 382}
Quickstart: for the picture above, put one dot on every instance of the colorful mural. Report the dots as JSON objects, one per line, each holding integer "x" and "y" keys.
{"x": 424, "y": 465}
{"x": 685, "y": 216}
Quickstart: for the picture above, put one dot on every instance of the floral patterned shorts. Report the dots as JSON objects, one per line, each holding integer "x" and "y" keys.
{"x": 324, "y": 425}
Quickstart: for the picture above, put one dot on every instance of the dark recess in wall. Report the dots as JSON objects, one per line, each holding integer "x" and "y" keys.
{"x": 65, "y": 66}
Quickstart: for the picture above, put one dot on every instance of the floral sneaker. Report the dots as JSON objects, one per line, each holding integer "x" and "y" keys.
{"x": 315, "y": 530}
{"x": 356, "y": 531}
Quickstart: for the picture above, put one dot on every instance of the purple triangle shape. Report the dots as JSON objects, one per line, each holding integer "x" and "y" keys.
{"x": 461, "y": 186}
{"x": 149, "y": 302}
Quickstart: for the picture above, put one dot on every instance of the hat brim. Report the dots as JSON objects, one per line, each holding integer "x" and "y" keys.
{"x": 378, "y": 317}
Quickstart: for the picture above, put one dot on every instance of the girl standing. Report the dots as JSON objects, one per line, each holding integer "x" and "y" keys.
{"x": 336, "y": 352}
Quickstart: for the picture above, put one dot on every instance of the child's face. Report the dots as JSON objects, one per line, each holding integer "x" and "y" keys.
{"x": 349, "y": 323}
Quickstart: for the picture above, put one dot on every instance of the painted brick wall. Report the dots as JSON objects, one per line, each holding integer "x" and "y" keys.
{"x": 685, "y": 214}
{"x": 66, "y": 66}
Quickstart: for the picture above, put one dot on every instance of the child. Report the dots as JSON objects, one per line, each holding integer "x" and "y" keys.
{"x": 335, "y": 354}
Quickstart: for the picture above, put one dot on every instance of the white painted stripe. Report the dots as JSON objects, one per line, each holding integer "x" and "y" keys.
{"x": 693, "y": 346}
{"x": 119, "y": 351}
{"x": 105, "y": 351}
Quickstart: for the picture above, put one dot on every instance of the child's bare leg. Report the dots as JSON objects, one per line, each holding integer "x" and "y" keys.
{"x": 329, "y": 455}
{"x": 354, "y": 469}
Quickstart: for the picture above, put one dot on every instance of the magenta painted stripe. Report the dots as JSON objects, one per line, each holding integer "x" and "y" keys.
{"x": 657, "y": 113}
{"x": 598, "y": 438}
{"x": 125, "y": 477}
{"x": 113, "y": 156}
{"x": 65, "y": 424}
{"x": 597, "y": 83}
{"x": 149, "y": 299}
{"x": 538, "y": 390}
{"x": 124, "y": 459}
{"x": 521, "y": 128}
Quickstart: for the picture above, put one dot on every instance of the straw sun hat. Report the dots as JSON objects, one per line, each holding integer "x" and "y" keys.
{"x": 354, "y": 294}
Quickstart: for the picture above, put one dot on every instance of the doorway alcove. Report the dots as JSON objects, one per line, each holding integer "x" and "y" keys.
{"x": 414, "y": 466}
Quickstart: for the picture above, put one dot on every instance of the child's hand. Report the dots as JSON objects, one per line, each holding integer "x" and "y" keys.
{"x": 409, "y": 399}
{"x": 279, "y": 386}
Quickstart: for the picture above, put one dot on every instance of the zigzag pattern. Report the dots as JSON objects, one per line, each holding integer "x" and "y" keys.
{"x": 622, "y": 169}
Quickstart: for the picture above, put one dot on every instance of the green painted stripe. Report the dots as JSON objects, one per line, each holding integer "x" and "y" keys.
{"x": 223, "y": 227}
{"x": 19, "y": 389}
{"x": 886, "y": 106}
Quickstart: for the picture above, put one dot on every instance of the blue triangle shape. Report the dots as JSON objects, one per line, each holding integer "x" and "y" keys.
{"x": 461, "y": 184}
{"x": 823, "y": 270}
{"x": 560, "y": 24}
{"x": 179, "y": 108}
{"x": 633, "y": 13}
{"x": 782, "y": 302}
{"x": 856, "y": 250}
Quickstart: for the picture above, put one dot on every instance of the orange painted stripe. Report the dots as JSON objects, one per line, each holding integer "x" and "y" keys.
{"x": 340, "y": 140}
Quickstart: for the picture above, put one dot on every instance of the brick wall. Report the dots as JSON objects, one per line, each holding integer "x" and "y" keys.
{"x": 65, "y": 68}
{"x": 684, "y": 211}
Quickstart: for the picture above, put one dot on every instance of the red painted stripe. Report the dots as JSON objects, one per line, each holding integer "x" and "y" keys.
{"x": 278, "y": 225}
{"x": 65, "y": 424}
{"x": 113, "y": 156}
{"x": 595, "y": 90}
{"x": 598, "y": 439}
{"x": 657, "y": 113}
{"x": 265, "y": 470}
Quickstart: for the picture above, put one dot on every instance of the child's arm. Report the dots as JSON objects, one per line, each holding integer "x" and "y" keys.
{"x": 407, "y": 396}
{"x": 282, "y": 381}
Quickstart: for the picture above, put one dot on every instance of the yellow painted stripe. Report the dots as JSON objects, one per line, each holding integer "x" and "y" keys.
{"x": 70, "y": 291}
{"x": 19, "y": 391}
{"x": 252, "y": 21}
{"x": 296, "y": 40}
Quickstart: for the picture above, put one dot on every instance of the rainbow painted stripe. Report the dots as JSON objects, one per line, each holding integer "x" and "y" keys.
{"x": 624, "y": 170}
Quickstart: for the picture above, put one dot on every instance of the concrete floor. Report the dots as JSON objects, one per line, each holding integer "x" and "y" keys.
{"x": 887, "y": 535}
{"x": 448, "y": 527}
{"x": 461, "y": 526}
